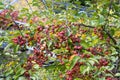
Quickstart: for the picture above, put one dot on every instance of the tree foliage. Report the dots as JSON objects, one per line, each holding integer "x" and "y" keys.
{"x": 61, "y": 40}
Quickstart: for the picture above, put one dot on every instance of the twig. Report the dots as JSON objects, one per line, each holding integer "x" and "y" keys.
{"x": 107, "y": 23}
{"x": 16, "y": 25}
{"x": 84, "y": 25}
{"x": 103, "y": 27}
{"x": 29, "y": 5}
{"x": 109, "y": 35}
{"x": 44, "y": 3}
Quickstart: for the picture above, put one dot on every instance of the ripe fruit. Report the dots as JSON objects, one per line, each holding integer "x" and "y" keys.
{"x": 87, "y": 55}
{"x": 95, "y": 30}
{"x": 81, "y": 63}
{"x": 78, "y": 47}
{"x": 106, "y": 53}
{"x": 26, "y": 74}
{"x": 109, "y": 78}
{"x": 74, "y": 38}
{"x": 19, "y": 40}
{"x": 74, "y": 52}
{"x": 103, "y": 62}
{"x": 40, "y": 28}
{"x": 92, "y": 50}
{"x": 68, "y": 48}
{"x": 83, "y": 55}
{"x": 14, "y": 14}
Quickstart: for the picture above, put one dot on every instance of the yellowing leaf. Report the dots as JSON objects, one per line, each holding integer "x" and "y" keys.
{"x": 83, "y": 36}
{"x": 27, "y": 32}
{"x": 95, "y": 41}
{"x": 10, "y": 63}
{"x": 93, "y": 34}
{"x": 74, "y": 61}
{"x": 36, "y": 35}
{"x": 31, "y": 21}
{"x": 117, "y": 34}
{"x": 11, "y": 32}
{"x": 81, "y": 20}
{"x": 77, "y": 35}
{"x": 111, "y": 12}
{"x": 72, "y": 56}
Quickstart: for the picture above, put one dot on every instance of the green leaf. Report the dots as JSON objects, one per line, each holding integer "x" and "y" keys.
{"x": 19, "y": 72}
{"x": 112, "y": 31}
{"x": 1, "y": 5}
{"x": 108, "y": 74}
{"x": 36, "y": 66}
{"x": 94, "y": 59}
{"x": 93, "y": 22}
{"x": 16, "y": 48}
{"x": 22, "y": 78}
{"x": 82, "y": 68}
{"x": 86, "y": 68}
{"x": 117, "y": 74}
{"x": 101, "y": 19}
{"x": 1, "y": 43}
{"x": 9, "y": 78}
{"x": 101, "y": 79}
{"x": 8, "y": 46}
{"x": 8, "y": 72}
{"x": 7, "y": 54}
{"x": 68, "y": 32}
{"x": 84, "y": 44}
{"x": 61, "y": 50}
{"x": 111, "y": 68}
{"x": 74, "y": 61}
{"x": 95, "y": 41}
{"x": 91, "y": 62}
{"x": 49, "y": 43}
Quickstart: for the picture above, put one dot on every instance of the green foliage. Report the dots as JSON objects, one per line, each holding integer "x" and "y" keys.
{"x": 61, "y": 40}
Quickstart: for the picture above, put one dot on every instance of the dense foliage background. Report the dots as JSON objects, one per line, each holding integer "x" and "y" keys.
{"x": 60, "y": 40}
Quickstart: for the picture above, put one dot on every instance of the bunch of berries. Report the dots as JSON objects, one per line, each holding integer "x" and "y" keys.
{"x": 19, "y": 40}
